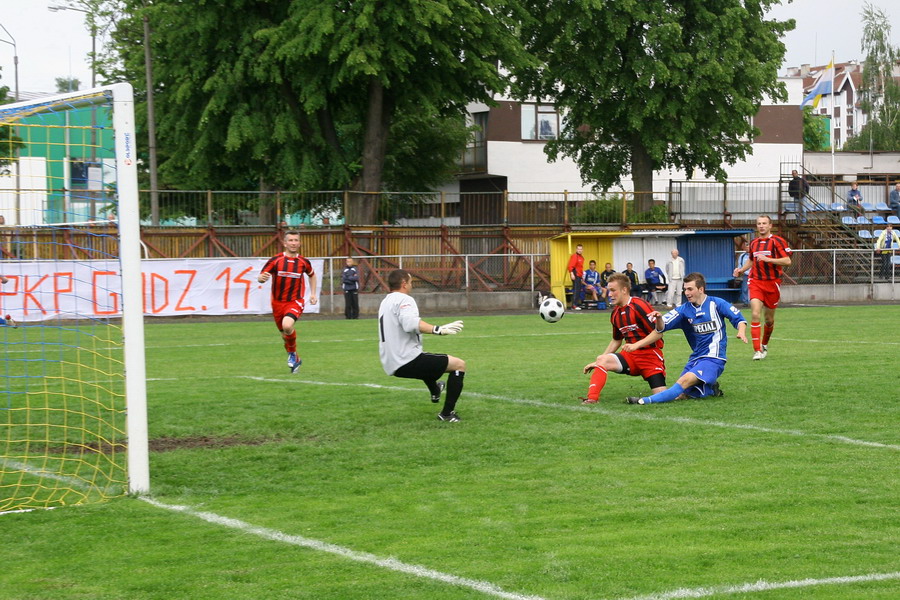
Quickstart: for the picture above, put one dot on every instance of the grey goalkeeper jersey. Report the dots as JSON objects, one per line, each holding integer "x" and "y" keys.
{"x": 399, "y": 340}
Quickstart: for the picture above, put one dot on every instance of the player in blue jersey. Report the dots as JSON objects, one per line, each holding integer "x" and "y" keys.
{"x": 702, "y": 319}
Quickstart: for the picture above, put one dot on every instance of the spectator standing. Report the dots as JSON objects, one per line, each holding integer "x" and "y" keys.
{"x": 798, "y": 188}
{"x": 769, "y": 254}
{"x": 400, "y": 345}
{"x": 743, "y": 259}
{"x": 287, "y": 270}
{"x": 655, "y": 282}
{"x": 675, "y": 272}
{"x": 894, "y": 199}
{"x": 854, "y": 199}
{"x": 350, "y": 285}
{"x": 575, "y": 269}
{"x": 885, "y": 242}
{"x": 633, "y": 277}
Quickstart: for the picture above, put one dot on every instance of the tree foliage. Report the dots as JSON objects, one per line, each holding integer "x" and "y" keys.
{"x": 880, "y": 91}
{"x": 815, "y": 131}
{"x": 301, "y": 94}
{"x": 654, "y": 84}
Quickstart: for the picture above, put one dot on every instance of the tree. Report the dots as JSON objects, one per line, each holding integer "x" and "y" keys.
{"x": 879, "y": 92}
{"x": 815, "y": 131}
{"x": 67, "y": 84}
{"x": 307, "y": 94}
{"x": 10, "y": 143}
{"x": 654, "y": 84}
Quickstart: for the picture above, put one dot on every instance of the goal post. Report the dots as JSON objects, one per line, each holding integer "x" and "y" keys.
{"x": 73, "y": 418}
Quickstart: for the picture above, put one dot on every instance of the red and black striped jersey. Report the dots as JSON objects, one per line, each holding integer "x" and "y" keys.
{"x": 287, "y": 276}
{"x": 774, "y": 247}
{"x": 630, "y": 322}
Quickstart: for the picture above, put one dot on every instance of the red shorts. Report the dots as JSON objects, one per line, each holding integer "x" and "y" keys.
{"x": 645, "y": 362}
{"x": 280, "y": 310}
{"x": 766, "y": 290}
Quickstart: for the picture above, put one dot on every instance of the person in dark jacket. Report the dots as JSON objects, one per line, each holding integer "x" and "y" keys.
{"x": 350, "y": 285}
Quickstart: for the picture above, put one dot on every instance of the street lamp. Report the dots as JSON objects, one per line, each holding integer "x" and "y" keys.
{"x": 15, "y": 58}
{"x": 59, "y": 7}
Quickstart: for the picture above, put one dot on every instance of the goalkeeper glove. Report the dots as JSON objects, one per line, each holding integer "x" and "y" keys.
{"x": 448, "y": 329}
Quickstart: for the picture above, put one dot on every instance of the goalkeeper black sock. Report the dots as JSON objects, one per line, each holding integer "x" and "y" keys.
{"x": 454, "y": 389}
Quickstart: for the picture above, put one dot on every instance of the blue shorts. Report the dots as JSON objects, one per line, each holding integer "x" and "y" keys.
{"x": 707, "y": 370}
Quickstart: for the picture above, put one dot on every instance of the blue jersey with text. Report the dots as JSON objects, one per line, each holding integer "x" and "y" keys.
{"x": 704, "y": 326}
{"x": 591, "y": 277}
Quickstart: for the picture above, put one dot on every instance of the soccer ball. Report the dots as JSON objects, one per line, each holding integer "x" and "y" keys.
{"x": 552, "y": 310}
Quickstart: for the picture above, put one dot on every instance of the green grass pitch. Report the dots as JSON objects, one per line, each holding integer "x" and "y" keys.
{"x": 794, "y": 475}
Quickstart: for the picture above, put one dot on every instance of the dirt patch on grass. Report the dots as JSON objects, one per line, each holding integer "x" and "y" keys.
{"x": 165, "y": 444}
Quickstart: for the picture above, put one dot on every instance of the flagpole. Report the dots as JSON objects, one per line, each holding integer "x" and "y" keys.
{"x": 833, "y": 98}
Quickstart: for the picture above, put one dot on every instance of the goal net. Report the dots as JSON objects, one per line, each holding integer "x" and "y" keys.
{"x": 72, "y": 378}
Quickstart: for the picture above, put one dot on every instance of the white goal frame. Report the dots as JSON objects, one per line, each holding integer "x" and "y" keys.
{"x": 128, "y": 217}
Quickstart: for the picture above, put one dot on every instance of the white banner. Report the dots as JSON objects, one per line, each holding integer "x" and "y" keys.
{"x": 43, "y": 290}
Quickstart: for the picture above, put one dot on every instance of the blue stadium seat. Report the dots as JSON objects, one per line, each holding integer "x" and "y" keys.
{"x": 878, "y": 220}
{"x": 865, "y": 234}
{"x": 893, "y": 220}
{"x": 882, "y": 206}
{"x": 838, "y": 207}
{"x": 877, "y": 232}
{"x": 868, "y": 206}
{"x": 861, "y": 220}
{"x": 895, "y": 260}
{"x": 848, "y": 220}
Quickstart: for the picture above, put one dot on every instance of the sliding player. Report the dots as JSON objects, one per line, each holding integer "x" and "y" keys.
{"x": 702, "y": 319}
{"x": 7, "y": 321}
{"x": 769, "y": 254}
{"x": 286, "y": 270}
{"x": 632, "y": 320}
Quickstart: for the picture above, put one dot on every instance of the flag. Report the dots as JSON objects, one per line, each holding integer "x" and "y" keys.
{"x": 826, "y": 79}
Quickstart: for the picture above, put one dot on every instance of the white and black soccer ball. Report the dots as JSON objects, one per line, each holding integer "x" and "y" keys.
{"x": 552, "y": 310}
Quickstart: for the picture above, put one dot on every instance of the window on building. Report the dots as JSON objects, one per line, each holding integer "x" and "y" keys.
{"x": 539, "y": 122}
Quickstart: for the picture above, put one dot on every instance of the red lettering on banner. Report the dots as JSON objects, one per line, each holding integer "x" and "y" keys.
{"x": 154, "y": 277}
{"x": 95, "y": 288}
{"x": 58, "y": 289}
{"x": 247, "y": 283}
{"x": 187, "y": 288}
{"x": 28, "y": 292}
{"x": 227, "y": 274}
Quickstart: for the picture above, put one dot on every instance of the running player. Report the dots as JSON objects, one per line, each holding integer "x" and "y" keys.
{"x": 769, "y": 254}
{"x": 702, "y": 319}
{"x": 286, "y": 270}
{"x": 632, "y": 320}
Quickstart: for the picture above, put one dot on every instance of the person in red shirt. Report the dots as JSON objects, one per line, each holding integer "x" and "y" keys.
{"x": 575, "y": 269}
{"x": 287, "y": 270}
{"x": 769, "y": 254}
{"x": 632, "y": 320}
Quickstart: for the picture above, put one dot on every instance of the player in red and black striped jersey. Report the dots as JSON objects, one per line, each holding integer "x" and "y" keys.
{"x": 632, "y": 320}
{"x": 287, "y": 270}
{"x": 769, "y": 254}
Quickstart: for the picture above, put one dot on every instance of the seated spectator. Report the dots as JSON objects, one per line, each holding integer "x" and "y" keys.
{"x": 632, "y": 276}
{"x": 591, "y": 281}
{"x": 604, "y": 280}
{"x": 854, "y": 199}
{"x": 656, "y": 283}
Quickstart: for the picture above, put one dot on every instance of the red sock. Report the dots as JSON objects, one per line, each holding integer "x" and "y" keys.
{"x": 598, "y": 380}
{"x": 754, "y": 334}
{"x": 767, "y": 332}
{"x": 290, "y": 341}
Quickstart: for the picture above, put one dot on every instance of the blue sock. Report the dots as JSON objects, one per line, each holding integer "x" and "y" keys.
{"x": 665, "y": 395}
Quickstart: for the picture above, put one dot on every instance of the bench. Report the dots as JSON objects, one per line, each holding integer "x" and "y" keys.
{"x": 718, "y": 286}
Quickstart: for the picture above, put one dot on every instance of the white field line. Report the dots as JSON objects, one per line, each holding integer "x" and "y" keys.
{"x": 634, "y": 414}
{"x": 364, "y": 557}
{"x": 479, "y": 586}
{"x": 763, "y": 586}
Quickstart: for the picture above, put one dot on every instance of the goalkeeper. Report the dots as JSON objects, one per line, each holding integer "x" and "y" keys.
{"x": 8, "y": 320}
{"x": 400, "y": 345}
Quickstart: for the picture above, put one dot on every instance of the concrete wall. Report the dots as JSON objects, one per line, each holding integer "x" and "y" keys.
{"x": 437, "y": 303}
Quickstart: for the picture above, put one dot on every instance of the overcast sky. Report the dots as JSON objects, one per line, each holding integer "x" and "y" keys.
{"x": 57, "y": 44}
